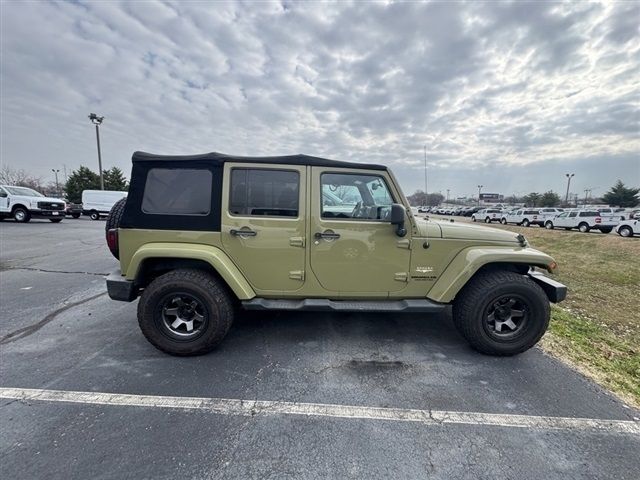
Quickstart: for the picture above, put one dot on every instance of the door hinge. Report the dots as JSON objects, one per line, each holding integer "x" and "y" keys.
{"x": 297, "y": 275}
{"x": 296, "y": 241}
{"x": 404, "y": 243}
{"x": 401, "y": 277}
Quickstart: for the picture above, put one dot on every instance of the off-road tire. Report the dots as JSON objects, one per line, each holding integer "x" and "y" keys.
{"x": 113, "y": 219}
{"x": 214, "y": 296}
{"x": 55, "y": 220}
{"x": 21, "y": 215}
{"x": 526, "y": 223}
{"x": 94, "y": 215}
{"x": 548, "y": 225}
{"x": 584, "y": 227}
{"x": 470, "y": 306}
{"x": 625, "y": 231}
{"x": 606, "y": 230}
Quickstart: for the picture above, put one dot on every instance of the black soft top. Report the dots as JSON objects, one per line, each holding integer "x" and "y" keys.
{"x": 218, "y": 159}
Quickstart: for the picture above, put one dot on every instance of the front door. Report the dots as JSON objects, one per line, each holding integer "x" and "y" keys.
{"x": 354, "y": 247}
{"x": 263, "y": 224}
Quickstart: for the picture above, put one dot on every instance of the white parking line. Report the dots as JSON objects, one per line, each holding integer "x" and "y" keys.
{"x": 225, "y": 406}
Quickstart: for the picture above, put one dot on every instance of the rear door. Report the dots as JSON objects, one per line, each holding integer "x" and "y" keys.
{"x": 263, "y": 224}
{"x": 4, "y": 200}
{"x": 354, "y": 246}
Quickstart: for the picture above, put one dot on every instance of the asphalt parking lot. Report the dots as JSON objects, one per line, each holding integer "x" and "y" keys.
{"x": 289, "y": 395}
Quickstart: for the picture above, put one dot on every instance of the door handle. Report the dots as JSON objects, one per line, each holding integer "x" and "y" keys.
{"x": 243, "y": 233}
{"x": 327, "y": 235}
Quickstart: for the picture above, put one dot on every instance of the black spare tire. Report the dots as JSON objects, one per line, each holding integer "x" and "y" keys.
{"x": 113, "y": 221}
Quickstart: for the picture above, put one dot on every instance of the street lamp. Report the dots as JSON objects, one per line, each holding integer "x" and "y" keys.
{"x": 56, "y": 174}
{"x": 479, "y": 189}
{"x": 569, "y": 176}
{"x": 97, "y": 120}
{"x": 425, "y": 172}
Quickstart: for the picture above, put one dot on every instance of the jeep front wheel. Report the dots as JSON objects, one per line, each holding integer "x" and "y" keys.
{"x": 185, "y": 312}
{"x": 501, "y": 313}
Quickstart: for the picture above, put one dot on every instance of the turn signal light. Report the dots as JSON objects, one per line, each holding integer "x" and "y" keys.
{"x": 112, "y": 240}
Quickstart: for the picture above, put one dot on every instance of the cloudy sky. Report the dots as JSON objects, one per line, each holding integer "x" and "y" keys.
{"x": 509, "y": 95}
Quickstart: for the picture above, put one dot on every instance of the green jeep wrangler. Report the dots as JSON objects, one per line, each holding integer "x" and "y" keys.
{"x": 202, "y": 237}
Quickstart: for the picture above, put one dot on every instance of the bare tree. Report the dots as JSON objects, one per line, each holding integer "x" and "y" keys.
{"x": 12, "y": 176}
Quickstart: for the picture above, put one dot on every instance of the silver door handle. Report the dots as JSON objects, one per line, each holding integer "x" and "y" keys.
{"x": 243, "y": 233}
{"x": 327, "y": 236}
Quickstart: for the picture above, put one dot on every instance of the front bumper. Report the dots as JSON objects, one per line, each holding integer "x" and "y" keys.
{"x": 119, "y": 288}
{"x": 47, "y": 213}
{"x": 556, "y": 291}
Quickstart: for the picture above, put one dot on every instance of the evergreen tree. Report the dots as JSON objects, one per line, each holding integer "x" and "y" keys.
{"x": 621, "y": 196}
{"x": 79, "y": 180}
{"x": 549, "y": 199}
{"x": 532, "y": 200}
{"x": 114, "y": 179}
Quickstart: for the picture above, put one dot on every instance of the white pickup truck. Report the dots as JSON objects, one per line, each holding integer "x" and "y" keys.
{"x": 583, "y": 220}
{"x": 22, "y": 204}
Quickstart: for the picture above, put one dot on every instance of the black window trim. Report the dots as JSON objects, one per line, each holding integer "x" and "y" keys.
{"x": 146, "y": 178}
{"x": 274, "y": 217}
{"x": 351, "y": 219}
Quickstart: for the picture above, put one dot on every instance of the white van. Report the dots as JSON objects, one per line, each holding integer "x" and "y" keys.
{"x": 99, "y": 202}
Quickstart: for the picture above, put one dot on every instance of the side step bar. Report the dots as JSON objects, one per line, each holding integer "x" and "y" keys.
{"x": 326, "y": 305}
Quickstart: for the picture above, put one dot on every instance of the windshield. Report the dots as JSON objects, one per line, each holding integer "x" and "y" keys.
{"x": 23, "y": 191}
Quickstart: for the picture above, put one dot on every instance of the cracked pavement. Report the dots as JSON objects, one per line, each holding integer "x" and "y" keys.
{"x": 60, "y": 331}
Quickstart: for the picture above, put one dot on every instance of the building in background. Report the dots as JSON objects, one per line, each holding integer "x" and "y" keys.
{"x": 490, "y": 198}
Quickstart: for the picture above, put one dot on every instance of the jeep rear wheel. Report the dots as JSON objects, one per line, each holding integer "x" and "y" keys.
{"x": 185, "y": 312}
{"x": 113, "y": 221}
{"x": 501, "y": 313}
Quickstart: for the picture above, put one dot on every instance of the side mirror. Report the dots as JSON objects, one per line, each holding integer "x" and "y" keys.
{"x": 397, "y": 218}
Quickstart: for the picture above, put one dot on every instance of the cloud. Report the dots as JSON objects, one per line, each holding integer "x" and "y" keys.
{"x": 533, "y": 86}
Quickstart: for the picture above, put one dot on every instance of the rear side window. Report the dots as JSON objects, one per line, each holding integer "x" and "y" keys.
{"x": 177, "y": 192}
{"x": 531, "y": 212}
{"x": 263, "y": 192}
{"x": 589, "y": 214}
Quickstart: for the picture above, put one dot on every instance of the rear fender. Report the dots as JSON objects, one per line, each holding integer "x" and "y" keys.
{"x": 467, "y": 263}
{"x": 207, "y": 253}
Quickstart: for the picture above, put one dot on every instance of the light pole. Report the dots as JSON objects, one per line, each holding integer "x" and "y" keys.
{"x": 97, "y": 120}
{"x": 447, "y": 195}
{"x": 56, "y": 174}
{"x": 568, "y": 175}
{"x": 479, "y": 189}
{"x": 425, "y": 173}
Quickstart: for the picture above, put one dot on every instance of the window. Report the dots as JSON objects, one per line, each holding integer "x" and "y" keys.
{"x": 177, "y": 192}
{"x": 263, "y": 192}
{"x": 27, "y": 192}
{"x": 563, "y": 215}
{"x": 573, "y": 214}
{"x": 589, "y": 214}
{"x": 349, "y": 195}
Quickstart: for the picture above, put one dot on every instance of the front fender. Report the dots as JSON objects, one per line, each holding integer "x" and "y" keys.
{"x": 471, "y": 259}
{"x": 207, "y": 253}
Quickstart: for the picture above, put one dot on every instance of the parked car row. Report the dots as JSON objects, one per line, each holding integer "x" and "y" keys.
{"x": 22, "y": 204}
{"x": 605, "y": 220}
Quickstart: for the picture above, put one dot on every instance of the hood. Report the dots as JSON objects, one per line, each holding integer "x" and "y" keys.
{"x": 465, "y": 231}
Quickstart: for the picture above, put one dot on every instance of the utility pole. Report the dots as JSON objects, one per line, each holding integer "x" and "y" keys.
{"x": 479, "y": 189}
{"x": 97, "y": 120}
{"x": 66, "y": 179}
{"x": 56, "y": 174}
{"x": 569, "y": 176}
{"x": 425, "y": 173}
{"x": 447, "y": 195}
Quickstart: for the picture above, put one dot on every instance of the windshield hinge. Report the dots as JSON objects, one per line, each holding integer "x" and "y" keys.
{"x": 297, "y": 275}
{"x": 404, "y": 243}
{"x": 401, "y": 277}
